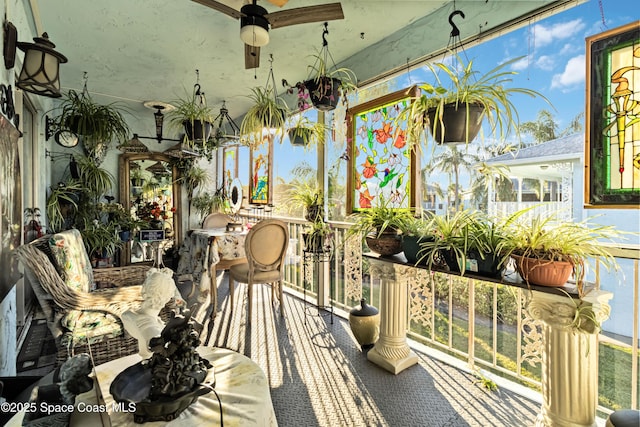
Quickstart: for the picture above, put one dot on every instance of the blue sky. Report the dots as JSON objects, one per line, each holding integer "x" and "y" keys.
{"x": 553, "y": 53}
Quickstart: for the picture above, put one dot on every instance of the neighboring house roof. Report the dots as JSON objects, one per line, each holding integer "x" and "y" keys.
{"x": 561, "y": 149}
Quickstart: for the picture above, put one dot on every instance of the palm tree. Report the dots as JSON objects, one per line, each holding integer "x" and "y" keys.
{"x": 545, "y": 127}
{"x": 451, "y": 161}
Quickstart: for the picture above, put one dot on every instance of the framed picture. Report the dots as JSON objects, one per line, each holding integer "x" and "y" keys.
{"x": 260, "y": 160}
{"x": 229, "y": 166}
{"x": 612, "y": 156}
{"x": 383, "y": 166}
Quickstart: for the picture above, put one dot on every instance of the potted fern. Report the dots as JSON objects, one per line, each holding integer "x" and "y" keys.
{"x": 454, "y": 112}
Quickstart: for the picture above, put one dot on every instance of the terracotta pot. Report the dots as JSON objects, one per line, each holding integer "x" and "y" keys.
{"x": 543, "y": 272}
{"x": 454, "y": 121}
{"x": 365, "y": 324}
{"x": 387, "y": 244}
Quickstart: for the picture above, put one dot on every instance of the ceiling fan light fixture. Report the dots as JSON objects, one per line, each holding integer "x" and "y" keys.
{"x": 254, "y": 27}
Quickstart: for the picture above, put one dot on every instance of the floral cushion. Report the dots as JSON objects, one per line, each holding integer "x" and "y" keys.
{"x": 92, "y": 326}
{"x": 72, "y": 259}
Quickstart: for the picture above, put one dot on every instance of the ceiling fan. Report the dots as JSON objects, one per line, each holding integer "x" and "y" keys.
{"x": 255, "y": 22}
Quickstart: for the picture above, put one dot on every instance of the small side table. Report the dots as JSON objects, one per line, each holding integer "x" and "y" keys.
{"x": 313, "y": 261}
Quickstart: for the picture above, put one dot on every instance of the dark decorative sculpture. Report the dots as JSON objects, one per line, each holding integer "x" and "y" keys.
{"x": 57, "y": 399}
{"x": 164, "y": 385}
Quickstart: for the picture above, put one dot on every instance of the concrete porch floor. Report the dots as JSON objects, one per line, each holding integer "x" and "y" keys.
{"x": 320, "y": 377}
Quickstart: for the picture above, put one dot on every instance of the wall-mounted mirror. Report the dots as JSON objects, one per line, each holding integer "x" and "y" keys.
{"x": 148, "y": 188}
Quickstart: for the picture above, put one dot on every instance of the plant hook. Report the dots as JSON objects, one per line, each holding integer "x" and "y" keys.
{"x": 324, "y": 34}
{"x": 455, "y": 32}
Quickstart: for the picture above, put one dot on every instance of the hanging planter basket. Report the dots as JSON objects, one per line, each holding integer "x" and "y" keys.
{"x": 454, "y": 127}
{"x": 197, "y": 130}
{"x": 324, "y": 92}
{"x": 299, "y": 136}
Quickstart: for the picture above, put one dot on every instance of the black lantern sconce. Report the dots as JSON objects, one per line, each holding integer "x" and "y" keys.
{"x": 41, "y": 67}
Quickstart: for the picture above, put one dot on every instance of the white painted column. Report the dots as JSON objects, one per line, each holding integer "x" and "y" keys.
{"x": 391, "y": 351}
{"x": 569, "y": 357}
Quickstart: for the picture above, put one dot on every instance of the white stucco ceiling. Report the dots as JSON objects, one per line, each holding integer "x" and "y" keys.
{"x": 140, "y": 50}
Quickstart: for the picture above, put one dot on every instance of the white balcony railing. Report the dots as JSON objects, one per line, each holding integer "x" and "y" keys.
{"x": 481, "y": 322}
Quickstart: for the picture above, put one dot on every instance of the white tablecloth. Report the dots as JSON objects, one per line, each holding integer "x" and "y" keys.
{"x": 241, "y": 384}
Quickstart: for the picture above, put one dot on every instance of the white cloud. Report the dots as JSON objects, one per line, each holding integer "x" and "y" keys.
{"x": 573, "y": 74}
{"x": 569, "y": 49}
{"x": 545, "y": 35}
{"x": 545, "y": 62}
{"x": 520, "y": 65}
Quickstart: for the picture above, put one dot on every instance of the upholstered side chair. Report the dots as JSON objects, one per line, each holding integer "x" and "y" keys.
{"x": 266, "y": 247}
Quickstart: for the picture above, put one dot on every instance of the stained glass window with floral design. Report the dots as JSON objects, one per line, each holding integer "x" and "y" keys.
{"x": 382, "y": 160}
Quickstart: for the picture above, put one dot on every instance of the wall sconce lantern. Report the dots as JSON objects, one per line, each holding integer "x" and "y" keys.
{"x": 41, "y": 66}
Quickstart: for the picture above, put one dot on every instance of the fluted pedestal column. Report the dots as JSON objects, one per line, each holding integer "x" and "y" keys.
{"x": 569, "y": 357}
{"x": 391, "y": 351}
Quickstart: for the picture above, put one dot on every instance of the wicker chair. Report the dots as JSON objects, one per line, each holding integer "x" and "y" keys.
{"x": 82, "y": 320}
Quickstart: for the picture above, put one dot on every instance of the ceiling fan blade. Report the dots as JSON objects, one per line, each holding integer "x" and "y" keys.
{"x": 304, "y": 15}
{"x": 251, "y": 56}
{"x": 229, "y": 11}
{"x": 278, "y": 3}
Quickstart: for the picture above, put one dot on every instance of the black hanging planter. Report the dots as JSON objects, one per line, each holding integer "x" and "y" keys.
{"x": 299, "y": 136}
{"x": 324, "y": 92}
{"x": 454, "y": 121}
{"x": 197, "y": 130}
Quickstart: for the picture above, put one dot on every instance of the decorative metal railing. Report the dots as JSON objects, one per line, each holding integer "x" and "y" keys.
{"x": 482, "y": 322}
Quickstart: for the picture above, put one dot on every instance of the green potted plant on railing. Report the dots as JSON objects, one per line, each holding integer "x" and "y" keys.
{"x": 415, "y": 230}
{"x": 98, "y": 124}
{"x": 454, "y": 113}
{"x": 547, "y": 251}
{"x": 380, "y": 226}
{"x": 268, "y": 111}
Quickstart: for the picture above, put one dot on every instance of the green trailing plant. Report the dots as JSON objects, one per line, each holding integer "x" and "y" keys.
{"x": 189, "y": 110}
{"x": 305, "y": 132}
{"x": 321, "y": 69}
{"x": 305, "y": 195}
{"x": 319, "y": 237}
{"x": 99, "y": 125}
{"x": 468, "y": 87}
{"x": 205, "y": 203}
{"x": 62, "y": 204}
{"x": 268, "y": 111}
{"x": 100, "y": 239}
{"x": 96, "y": 180}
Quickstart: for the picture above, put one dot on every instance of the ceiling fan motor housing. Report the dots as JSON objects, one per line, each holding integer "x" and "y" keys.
{"x": 254, "y": 27}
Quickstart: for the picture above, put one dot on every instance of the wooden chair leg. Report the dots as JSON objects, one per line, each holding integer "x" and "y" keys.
{"x": 281, "y": 299}
{"x": 250, "y": 297}
{"x": 232, "y": 285}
